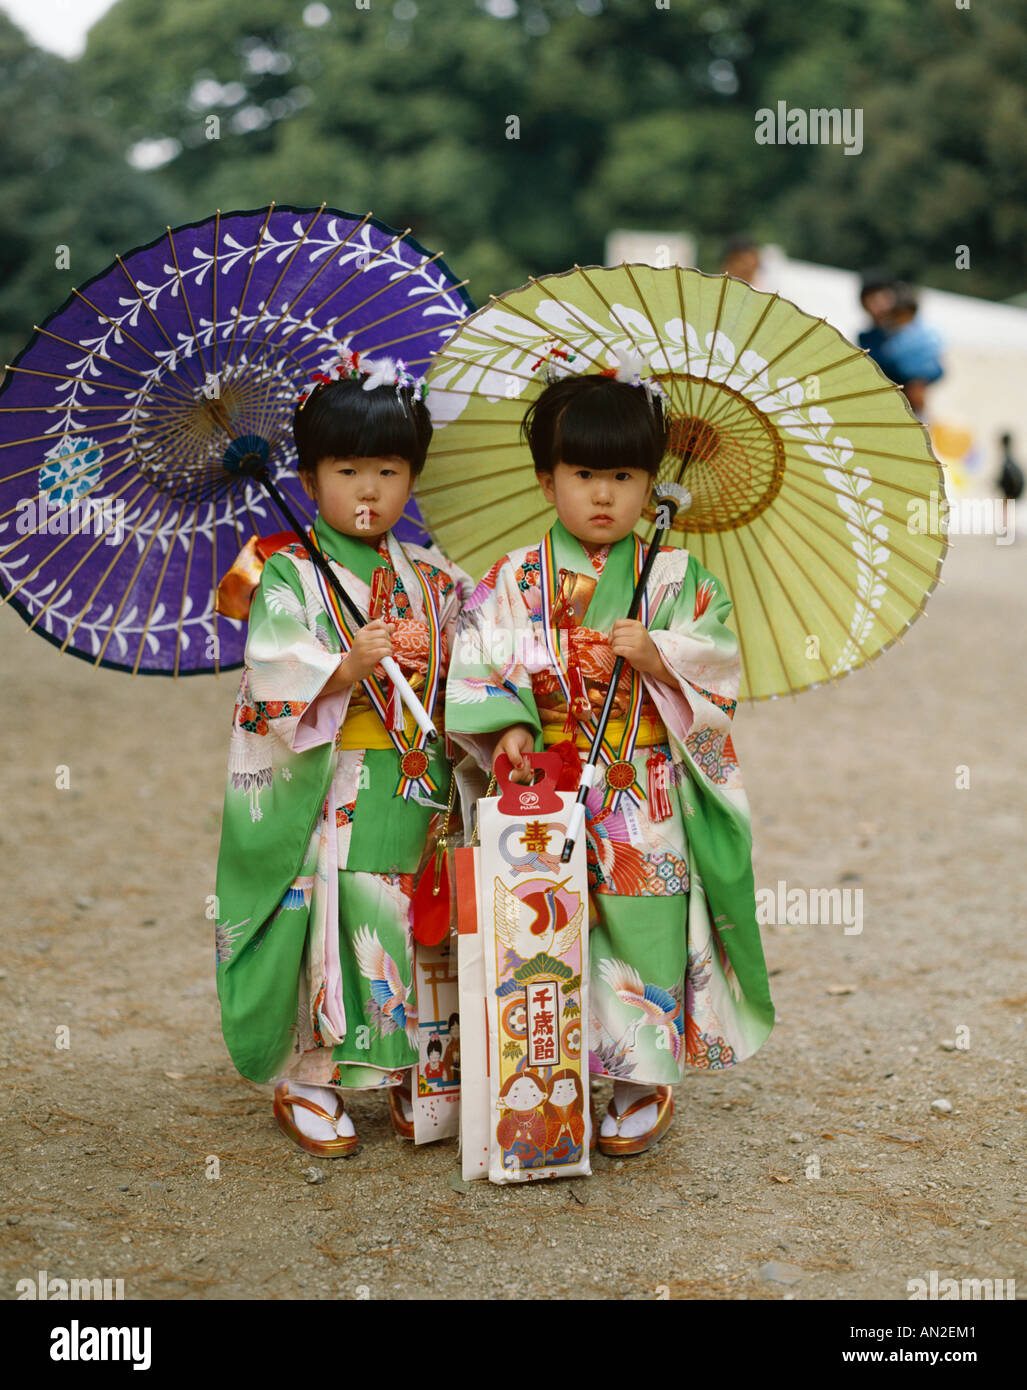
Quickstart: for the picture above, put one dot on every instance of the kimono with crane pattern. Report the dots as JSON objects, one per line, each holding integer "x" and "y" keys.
{"x": 677, "y": 974}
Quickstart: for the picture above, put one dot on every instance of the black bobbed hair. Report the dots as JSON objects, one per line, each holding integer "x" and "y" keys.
{"x": 595, "y": 422}
{"x": 906, "y": 296}
{"x": 342, "y": 420}
{"x": 877, "y": 278}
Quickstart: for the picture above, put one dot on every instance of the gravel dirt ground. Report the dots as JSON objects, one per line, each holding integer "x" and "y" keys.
{"x": 817, "y": 1170}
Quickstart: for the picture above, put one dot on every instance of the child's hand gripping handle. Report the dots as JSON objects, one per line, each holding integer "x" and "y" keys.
{"x": 588, "y": 776}
{"x": 408, "y": 697}
{"x": 538, "y": 798}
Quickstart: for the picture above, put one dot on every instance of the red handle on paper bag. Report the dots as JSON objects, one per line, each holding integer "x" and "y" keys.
{"x": 537, "y": 799}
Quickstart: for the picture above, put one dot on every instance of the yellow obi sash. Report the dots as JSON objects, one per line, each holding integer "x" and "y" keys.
{"x": 650, "y": 731}
{"x": 363, "y": 729}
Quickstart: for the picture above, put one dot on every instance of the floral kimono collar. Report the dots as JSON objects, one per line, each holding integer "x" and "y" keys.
{"x": 362, "y": 560}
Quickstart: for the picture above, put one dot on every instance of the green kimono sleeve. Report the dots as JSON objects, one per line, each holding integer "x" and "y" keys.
{"x": 699, "y": 648}
{"x": 273, "y": 803}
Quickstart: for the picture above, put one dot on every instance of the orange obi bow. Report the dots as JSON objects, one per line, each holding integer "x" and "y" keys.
{"x": 590, "y": 662}
{"x": 235, "y": 591}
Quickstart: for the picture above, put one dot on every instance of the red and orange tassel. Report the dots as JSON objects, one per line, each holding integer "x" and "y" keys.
{"x": 658, "y": 767}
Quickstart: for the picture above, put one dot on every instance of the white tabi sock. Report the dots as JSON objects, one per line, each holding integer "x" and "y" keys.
{"x": 313, "y": 1126}
{"x": 625, "y": 1093}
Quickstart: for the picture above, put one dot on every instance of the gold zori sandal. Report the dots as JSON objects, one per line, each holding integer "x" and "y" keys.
{"x": 615, "y": 1145}
{"x": 321, "y": 1148}
{"x": 403, "y": 1127}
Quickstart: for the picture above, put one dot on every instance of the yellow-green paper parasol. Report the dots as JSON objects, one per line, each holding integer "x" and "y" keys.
{"x": 810, "y": 477}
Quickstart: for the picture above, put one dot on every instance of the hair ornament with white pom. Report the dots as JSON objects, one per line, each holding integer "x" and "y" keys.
{"x": 628, "y": 367}
{"x": 351, "y": 366}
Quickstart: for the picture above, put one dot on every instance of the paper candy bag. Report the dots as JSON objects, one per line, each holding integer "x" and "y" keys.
{"x": 523, "y": 971}
{"x": 436, "y": 1090}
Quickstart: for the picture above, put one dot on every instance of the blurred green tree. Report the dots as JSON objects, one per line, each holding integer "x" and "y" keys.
{"x": 66, "y": 184}
{"x": 514, "y": 134}
{"x": 944, "y": 163}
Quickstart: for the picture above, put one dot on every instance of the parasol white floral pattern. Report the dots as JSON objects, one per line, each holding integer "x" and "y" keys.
{"x": 114, "y": 370}
{"x": 497, "y": 349}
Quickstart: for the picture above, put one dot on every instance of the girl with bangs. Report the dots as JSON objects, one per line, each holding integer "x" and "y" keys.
{"x": 332, "y": 788}
{"x": 677, "y": 975}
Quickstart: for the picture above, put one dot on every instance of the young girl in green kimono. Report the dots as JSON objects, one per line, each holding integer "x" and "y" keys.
{"x": 677, "y": 976}
{"x": 331, "y": 785}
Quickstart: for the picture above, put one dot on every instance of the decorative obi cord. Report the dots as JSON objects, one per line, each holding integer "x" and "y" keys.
{"x": 363, "y": 726}
{"x": 591, "y": 660}
{"x": 590, "y": 663}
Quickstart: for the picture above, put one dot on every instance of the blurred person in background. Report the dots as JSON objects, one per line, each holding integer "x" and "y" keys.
{"x": 906, "y": 349}
{"x": 1010, "y": 478}
{"x": 911, "y": 351}
{"x": 877, "y": 296}
{"x": 741, "y": 258}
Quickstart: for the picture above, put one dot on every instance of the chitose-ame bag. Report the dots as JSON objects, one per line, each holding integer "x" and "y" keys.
{"x": 523, "y": 973}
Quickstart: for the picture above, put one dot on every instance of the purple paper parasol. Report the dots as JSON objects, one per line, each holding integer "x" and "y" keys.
{"x": 117, "y": 514}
